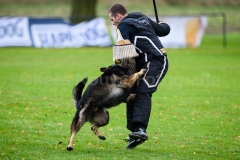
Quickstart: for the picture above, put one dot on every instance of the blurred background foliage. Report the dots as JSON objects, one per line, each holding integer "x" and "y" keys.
{"x": 160, "y": 2}
{"x": 64, "y": 8}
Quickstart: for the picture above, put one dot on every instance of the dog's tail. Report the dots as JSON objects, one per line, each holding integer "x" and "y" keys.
{"x": 77, "y": 91}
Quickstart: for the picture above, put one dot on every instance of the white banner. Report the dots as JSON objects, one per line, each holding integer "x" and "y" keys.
{"x": 92, "y": 33}
{"x": 14, "y": 31}
{"x": 185, "y": 31}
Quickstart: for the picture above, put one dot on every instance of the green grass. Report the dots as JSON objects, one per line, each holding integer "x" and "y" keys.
{"x": 195, "y": 112}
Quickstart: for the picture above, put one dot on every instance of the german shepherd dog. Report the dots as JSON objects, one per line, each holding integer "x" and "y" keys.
{"x": 108, "y": 90}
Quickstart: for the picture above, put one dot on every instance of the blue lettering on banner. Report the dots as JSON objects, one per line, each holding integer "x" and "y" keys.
{"x": 43, "y": 39}
{"x": 82, "y": 36}
{"x": 60, "y": 38}
{"x": 65, "y": 37}
{"x": 100, "y": 32}
{"x": 11, "y": 29}
{"x": 2, "y": 31}
{"x": 54, "y": 40}
{"x": 91, "y": 34}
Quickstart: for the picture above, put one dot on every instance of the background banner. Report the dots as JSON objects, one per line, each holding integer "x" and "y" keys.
{"x": 185, "y": 31}
{"x": 52, "y": 33}
{"x": 14, "y": 31}
{"x": 60, "y": 35}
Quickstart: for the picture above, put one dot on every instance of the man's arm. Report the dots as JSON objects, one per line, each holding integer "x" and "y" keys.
{"x": 161, "y": 29}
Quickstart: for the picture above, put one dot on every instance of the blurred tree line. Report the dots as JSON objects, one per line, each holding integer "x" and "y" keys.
{"x": 84, "y": 10}
{"x": 161, "y": 2}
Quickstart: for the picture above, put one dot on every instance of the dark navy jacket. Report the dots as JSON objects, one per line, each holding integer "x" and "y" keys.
{"x": 143, "y": 33}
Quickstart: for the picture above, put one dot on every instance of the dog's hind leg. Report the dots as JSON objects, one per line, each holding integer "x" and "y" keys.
{"x": 78, "y": 121}
{"x": 100, "y": 118}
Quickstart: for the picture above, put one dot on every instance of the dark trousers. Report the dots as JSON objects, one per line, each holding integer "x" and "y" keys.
{"x": 138, "y": 111}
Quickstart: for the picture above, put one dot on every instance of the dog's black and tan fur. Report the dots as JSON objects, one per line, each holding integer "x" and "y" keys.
{"x": 110, "y": 89}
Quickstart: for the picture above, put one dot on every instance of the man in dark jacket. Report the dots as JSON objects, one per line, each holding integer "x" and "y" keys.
{"x": 143, "y": 33}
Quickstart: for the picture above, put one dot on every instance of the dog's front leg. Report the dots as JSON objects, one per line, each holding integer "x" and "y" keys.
{"x": 128, "y": 82}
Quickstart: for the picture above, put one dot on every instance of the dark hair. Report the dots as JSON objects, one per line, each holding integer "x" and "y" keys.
{"x": 117, "y": 8}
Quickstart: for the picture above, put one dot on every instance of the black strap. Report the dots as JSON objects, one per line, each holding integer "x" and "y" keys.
{"x": 155, "y": 10}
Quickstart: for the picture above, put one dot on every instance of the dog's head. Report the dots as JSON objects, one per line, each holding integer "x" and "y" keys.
{"x": 115, "y": 69}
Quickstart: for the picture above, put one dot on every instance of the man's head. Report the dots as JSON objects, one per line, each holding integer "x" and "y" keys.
{"x": 116, "y": 13}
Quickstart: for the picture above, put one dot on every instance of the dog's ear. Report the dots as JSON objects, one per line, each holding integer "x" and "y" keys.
{"x": 103, "y": 69}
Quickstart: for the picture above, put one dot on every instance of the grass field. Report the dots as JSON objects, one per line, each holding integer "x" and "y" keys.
{"x": 195, "y": 113}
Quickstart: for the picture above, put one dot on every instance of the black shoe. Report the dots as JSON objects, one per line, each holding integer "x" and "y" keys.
{"x": 140, "y": 134}
{"x": 134, "y": 143}
{"x": 128, "y": 139}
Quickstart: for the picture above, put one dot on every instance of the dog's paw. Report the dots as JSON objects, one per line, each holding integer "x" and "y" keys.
{"x": 131, "y": 97}
{"x": 102, "y": 137}
{"x": 69, "y": 148}
{"x": 144, "y": 70}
